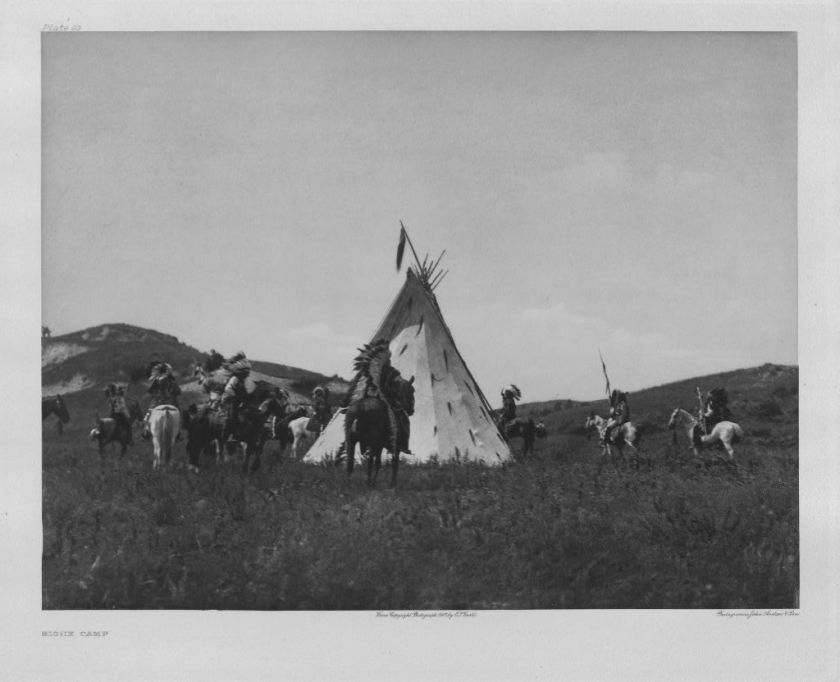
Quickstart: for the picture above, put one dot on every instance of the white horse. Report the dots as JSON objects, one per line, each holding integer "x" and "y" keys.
{"x": 164, "y": 423}
{"x": 300, "y": 434}
{"x": 724, "y": 432}
{"x": 626, "y": 434}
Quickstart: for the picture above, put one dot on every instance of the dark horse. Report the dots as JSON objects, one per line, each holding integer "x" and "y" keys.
{"x": 274, "y": 425}
{"x": 253, "y": 425}
{"x": 205, "y": 428}
{"x": 276, "y": 421}
{"x": 366, "y": 422}
{"x": 213, "y": 428}
{"x": 108, "y": 430}
{"x": 525, "y": 428}
{"x": 55, "y": 405}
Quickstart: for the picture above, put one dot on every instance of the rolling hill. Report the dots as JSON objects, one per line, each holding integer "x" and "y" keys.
{"x": 768, "y": 394}
{"x": 90, "y": 358}
{"x": 121, "y": 353}
{"x": 563, "y": 528}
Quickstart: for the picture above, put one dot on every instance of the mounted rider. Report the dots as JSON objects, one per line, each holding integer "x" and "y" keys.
{"x": 377, "y": 378}
{"x": 163, "y": 386}
{"x": 510, "y": 394}
{"x": 163, "y": 389}
{"x": 321, "y": 412}
{"x": 115, "y": 395}
{"x": 212, "y": 377}
{"x": 235, "y": 391}
{"x": 715, "y": 408}
{"x": 619, "y": 413}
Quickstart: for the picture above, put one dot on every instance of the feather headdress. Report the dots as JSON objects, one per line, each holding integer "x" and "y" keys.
{"x": 512, "y": 390}
{"x": 159, "y": 370}
{"x": 368, "y": 365}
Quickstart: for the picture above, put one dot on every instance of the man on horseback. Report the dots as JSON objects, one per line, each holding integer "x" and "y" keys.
{"x": 715, "y": 408}
{"x": 619, "y": 413}
{"x": 115, "y": 395}
{"x": 321, "y": 412}
{"x": 163, "y": 389}
{"x": 377, "y": 378}
{"x": 510, "y": 394}
{"x": 235, "y": 392}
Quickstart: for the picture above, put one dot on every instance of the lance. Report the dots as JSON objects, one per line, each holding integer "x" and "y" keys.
{"x": 604, "y": 368}
{"x": 403, "y": 239}
{"x": 700, "y": 413}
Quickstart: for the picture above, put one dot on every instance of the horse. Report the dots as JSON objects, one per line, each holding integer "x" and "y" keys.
{"x": 525, "y": 428}
{"x": 368, "y": 423}
{"x": 723, "y": 433}
{"x": 55, "y": 405}
{"x": 274, "y": 425}
{"x": 249, "y": 430}
{"x": 626, "y": 434}
{"x": 205, "y": 428}
{"x": 135, "y": 412}
{"x": 299, "y": 429}
{"x": 107, "y": 430}
{"x": 164, "y": 423}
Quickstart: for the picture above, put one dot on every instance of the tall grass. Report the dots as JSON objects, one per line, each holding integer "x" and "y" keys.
{"x": 564, "y": 529}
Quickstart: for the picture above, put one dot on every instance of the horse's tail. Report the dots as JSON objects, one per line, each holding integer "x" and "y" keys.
{"x": 349, "y": 421}
{"x": 350, "y": 425}
{"x": 171, "y": 426}
{"x": 636, "y": 434}
{"x": 737, "y": 433}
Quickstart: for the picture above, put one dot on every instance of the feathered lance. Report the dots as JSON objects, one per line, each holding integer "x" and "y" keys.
{"x": 401, "y": 246}
{"x": 700, "y": 413}
{"x": 604, "y": 368}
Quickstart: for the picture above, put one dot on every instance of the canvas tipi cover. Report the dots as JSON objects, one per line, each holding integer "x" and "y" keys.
{"x": 452, "y": 418}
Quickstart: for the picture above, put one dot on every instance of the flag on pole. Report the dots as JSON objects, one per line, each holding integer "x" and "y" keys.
{"x": 604, "y": 367}
{"x": 401, "y": 247}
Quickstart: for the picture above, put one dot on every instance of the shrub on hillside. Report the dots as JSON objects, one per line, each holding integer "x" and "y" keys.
{"x": 767, "y": 409}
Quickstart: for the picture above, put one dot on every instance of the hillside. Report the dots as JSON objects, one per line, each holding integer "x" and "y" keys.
{"x": 121, "y": 353}
{"x": 765, "y": 394}
{"x": 93, "y": 357}
{"x": 563, "y": 528}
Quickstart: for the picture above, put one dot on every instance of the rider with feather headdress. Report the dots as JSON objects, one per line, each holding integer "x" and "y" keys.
{"x": 321, "y": 412}
{"x": 619, "y": 412}
{"x": 377, "y": 378}
{"x": 715, "y": 408}
{"x": 163, "y": 390}
{"x": 510, "y": 394}
{"x": 115, "y": 395}
{"x": 163, "y": 387}
{"x": 235, "y": 392}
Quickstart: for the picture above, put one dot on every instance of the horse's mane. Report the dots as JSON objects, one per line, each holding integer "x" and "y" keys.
{"x": 686, "y": 414}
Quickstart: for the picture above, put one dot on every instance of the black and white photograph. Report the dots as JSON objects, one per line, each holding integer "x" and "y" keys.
{"x": 413, "y": 328}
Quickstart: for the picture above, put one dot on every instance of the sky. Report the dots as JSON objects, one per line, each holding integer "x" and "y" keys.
{"x": 629, "y": 192}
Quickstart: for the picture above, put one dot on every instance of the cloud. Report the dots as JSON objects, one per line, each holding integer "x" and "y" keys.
{"x": 599, "y": 170}
{"x": 319, "y": 332}
{"x": 551, "y": 352}
{"x": 561, "y": 315}
{"x": 317, "y": 347}
{"x": 648, "y": 343}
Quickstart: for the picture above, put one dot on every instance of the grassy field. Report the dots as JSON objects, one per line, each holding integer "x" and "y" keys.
{"x": 563, "y": 529}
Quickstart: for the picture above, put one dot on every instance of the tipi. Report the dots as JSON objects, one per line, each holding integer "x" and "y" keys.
{"x": 452, "y": 419}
